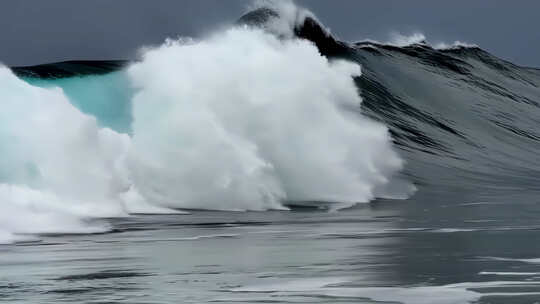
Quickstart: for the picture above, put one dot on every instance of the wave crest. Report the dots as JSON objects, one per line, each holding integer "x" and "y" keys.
{"x": 244, "y": 120}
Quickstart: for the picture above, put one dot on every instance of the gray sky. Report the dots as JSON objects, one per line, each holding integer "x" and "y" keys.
{"x": 38, "y": 31}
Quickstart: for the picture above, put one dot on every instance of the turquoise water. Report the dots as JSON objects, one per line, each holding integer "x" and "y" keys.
{"x": 106, "y": 97}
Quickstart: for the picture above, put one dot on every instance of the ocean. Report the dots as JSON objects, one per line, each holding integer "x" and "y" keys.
{"x": 271, "y": 162}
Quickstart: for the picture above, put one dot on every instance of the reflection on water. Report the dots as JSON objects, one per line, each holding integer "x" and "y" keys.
{"x": 389, "y": 251}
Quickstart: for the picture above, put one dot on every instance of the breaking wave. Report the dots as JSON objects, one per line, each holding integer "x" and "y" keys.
{"x": 270, "y": 113}
{"x": 246, "y": 119}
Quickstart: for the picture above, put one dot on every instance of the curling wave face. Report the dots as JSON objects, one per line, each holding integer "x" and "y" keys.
{"x": 242, "y": 120}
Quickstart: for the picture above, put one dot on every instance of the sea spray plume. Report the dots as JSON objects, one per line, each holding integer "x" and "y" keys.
{"x": 245, "y": 120}
{"x": 286, "y": 20}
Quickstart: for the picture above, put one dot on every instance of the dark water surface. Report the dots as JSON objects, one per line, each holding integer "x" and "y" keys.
{"x": 413, "y": 251}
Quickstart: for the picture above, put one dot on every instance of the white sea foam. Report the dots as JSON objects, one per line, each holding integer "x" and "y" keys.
{"x": 244, "y": 120}
{"x": 452, "y": 230}
{"x": 290, "y": 16}
{"x": 465, "y": 292}
{"x": 58, "y": 168}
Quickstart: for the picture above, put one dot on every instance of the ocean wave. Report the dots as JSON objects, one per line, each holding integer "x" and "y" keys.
{"x": 245, "y": 119}
{"x": 272, "y": 112}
